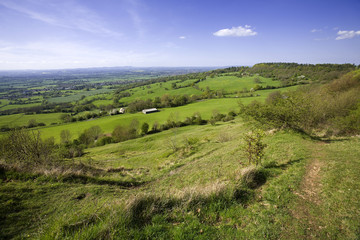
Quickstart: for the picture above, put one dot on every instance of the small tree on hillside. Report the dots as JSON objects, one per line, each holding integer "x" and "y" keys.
{"x": 65, "y": 136}
{"x": 144, "y": 128}
{"x": 254, "y": 146}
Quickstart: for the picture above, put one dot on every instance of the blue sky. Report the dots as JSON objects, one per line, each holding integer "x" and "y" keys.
{"x": 52, "y": 34}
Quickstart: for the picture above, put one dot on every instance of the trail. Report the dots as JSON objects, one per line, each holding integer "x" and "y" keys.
{"x": 309, "y": 198}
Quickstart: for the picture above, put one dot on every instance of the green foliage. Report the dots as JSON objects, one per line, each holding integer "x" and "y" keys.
{"x": 123, "y": 133}
{"x": 65, "y": 136}
{"x": 27, "y": 148}
{"x": 89, "y": 136}
{"x": 313, "y": 109}
{"x": 144, "y": 128}
{"x": 293, "y": 73}
{"x": 254, "y": 146}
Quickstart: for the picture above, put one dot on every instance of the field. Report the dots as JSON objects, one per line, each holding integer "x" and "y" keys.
{"x": 77, "y": 95}
{"x": 234, "y": 84}
{"x": 194, "y": 186}
{"x": 205, "y": 108}
{"x": 23, "y": 119}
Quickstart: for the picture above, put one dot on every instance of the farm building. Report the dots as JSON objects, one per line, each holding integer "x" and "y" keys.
{"x": 116, "y": 111}
{"x": 150, "y": 110}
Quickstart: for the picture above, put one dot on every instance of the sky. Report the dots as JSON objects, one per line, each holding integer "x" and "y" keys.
{"x": 55, "y": 34}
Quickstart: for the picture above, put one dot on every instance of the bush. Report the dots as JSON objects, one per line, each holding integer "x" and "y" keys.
{"x": 104, "y": 140}
{"x": 89, "y": 136}
{"x": 254, "y": 147}
{"x": 72, "y": 150}
{"x": 27, "y": 147}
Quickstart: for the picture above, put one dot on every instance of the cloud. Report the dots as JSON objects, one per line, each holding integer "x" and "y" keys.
{"x": 182, "y": 37}
{"x": 316, "y": 30}
{"x": 65, "y": 14}
{"x": 347, "y": 34}
{"x": 236, "y": 32}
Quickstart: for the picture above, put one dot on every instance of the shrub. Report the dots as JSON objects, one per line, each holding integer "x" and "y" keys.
{"x": 104, "y": 140}
{"x": 144, "y": 128}
{"x": 254, "y": 146}
{"x": 89, "y": 136}
{"x": 27, "y": 147}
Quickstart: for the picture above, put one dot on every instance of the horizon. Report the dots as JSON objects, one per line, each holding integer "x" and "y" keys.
{"x": 146, "y": 67}
{"x": 73, "y": 34}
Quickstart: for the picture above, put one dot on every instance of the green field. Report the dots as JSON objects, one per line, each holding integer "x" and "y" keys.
{"x": 232, "y": 84}
{"x": 14, "y": 106}
{"x": 21, "y": 119}
{"x": 77, "y": 95}
{"x": 204, "y": 107}
{"x": 157, "y": 90}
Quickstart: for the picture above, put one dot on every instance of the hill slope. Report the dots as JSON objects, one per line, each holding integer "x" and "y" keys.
{"x": 185, "y": 183}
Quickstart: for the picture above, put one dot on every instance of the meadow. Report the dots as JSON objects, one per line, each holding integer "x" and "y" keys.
{"x": 195, "y": 181}
{"x": 142, "y": 188}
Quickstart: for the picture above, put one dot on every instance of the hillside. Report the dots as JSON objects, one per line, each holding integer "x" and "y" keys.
{"x": 185, "y": 183}
{"x": 185, "y": 172}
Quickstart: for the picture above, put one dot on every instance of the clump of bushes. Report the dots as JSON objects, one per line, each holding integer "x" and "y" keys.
{"x": 313, "y": 109}
{"x": 27, "y": 148}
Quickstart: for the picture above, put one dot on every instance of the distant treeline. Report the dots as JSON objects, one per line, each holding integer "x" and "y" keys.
{"x": 292, "y": 73}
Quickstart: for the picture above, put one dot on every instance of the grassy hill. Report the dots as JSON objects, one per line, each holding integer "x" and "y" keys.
{"x": 146, "y": 188}
{"x": 193, "y": 181}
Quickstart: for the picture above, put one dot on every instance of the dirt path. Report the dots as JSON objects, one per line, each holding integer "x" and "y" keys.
{"x": 309, "y": 198}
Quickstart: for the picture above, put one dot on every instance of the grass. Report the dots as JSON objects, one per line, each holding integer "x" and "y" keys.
{"x": 14, "y": 106}
{"x": 110, "y": 122}
{"x": 77, "y": 95}
{"x": 192, "y": 192}
{"x": 205, "y": 108}
{"x": 233, "y": 83}
{"x": 23, "y": 119}
{"x": 157, "y": 90}
{"x": 335, "y": 213}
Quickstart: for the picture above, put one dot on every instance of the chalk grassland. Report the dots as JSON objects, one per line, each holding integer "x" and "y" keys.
{"x": 188, "y": 193}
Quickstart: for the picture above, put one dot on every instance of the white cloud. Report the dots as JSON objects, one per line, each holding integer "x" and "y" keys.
{"x": 347, "y": 34}
{"x": 316, "y": 30}
{"x": 236, "y": 32}
{"x": 182, "y": 37}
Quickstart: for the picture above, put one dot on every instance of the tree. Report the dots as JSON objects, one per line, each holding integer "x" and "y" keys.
{"x": 144, "y": 128}
{"x": 27, "y": 147}
{"x": 32, "y": 123}
{"x": 90, "y": 135}
{"x": 254, "y": 146}
{"x": 65, "y": 136}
